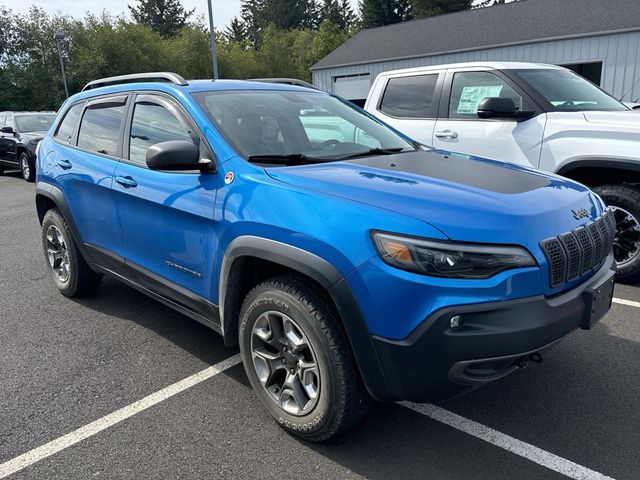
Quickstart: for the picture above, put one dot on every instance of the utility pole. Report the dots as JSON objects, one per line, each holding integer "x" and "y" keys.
{"x": 214, "y": 56}
{"x": 58, "y": 38}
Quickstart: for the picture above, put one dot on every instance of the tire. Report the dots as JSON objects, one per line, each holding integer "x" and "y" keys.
{"x": 69, "y": 270}
{"x": 340, "y": 400}
{"x": 27, "y": 166}
{"x": 1, "y": 170}
{"x": 625, "y": 199}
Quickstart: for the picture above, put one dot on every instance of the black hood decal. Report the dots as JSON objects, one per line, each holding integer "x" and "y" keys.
{"x": 485, "y": 174}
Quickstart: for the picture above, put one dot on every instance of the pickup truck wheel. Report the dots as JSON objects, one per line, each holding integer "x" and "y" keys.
{"x": 69, "y": 270}
{"x": 625, "y": 201}
{"x": 297, "y": 358}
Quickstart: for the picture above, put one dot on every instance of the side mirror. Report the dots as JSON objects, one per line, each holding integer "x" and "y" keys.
{"x": 7, "y": 130}
{"x": 497, "y": 107}
{"x": 176, "y": 155}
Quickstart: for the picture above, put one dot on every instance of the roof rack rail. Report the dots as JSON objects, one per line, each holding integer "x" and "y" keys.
{"x": 168, "y": 77}
{"x": 287, "y": 81}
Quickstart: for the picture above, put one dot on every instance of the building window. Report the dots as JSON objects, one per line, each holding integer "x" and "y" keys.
{"x": 591, "y": 71}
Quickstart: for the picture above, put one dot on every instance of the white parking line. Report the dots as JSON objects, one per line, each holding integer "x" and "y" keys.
{"x": 629, "y": 303}
{"x": 506, "y": 442}
{"x": 82, "y": 433}
{"x": 513, "y": 445}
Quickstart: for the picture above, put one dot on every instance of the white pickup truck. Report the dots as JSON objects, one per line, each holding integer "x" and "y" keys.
{"x": 541, "y": 116}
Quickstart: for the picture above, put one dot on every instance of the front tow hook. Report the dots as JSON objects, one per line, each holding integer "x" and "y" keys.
{"x": 523, "y": 361}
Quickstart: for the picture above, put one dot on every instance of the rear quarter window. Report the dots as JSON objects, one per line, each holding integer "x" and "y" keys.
{"x": 67, "y": 126}
{"x": 409, "y": 97}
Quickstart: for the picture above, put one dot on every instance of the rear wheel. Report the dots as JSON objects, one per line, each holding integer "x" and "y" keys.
{"x": 625, "y": 202}
{"x": 69, "y": 270}
{"x": 27, "y": 167}
{"x": 298, "y": 360}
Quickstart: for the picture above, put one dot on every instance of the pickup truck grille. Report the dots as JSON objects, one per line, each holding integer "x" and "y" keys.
{"x": 575, "y": 253}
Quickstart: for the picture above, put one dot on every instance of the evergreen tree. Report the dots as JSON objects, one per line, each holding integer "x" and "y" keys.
{"x": 166, "y": 17}
{"x": 376, "y": 13}
{"x": 338, "y": 12}
{"x": 236, "y": 31}
{"x": 283, "y": 14}
{"x": 430, "y": 8}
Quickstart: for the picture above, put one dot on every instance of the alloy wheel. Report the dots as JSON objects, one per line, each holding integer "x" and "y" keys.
{"x": 57, "y": 254}
{"x": 285, "y": 363}
{"x": 24, "y": 166}
{"x": 626, "y": 244}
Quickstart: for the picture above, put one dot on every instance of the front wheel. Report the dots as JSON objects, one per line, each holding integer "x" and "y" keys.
{"x": 298, "y": 361}
{"x": 625, "y": 202}
{"x": 27, "y": 167}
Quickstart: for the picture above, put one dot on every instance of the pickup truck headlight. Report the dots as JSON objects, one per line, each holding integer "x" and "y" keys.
{"x": 449, "y": 259}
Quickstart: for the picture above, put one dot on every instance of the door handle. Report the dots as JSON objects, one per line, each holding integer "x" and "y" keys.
{"x": 64, "y": 164}
{"x": 126, "y": 182}
{"x": 446, "y": 134}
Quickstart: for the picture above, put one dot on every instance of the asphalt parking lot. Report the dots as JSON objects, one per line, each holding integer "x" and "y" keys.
{"x": 67, "y": 363}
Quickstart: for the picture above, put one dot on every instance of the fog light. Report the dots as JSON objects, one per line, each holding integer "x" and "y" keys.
{"x": 456, "y": 321}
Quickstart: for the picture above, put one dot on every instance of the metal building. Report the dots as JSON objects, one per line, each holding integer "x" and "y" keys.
{"x": 600, "y": 39}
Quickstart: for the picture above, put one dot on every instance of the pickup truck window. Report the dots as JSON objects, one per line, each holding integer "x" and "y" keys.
{"x": 567, "y": 91}
{"x": 469, "y": 88}
{"x": 409, "y": 97}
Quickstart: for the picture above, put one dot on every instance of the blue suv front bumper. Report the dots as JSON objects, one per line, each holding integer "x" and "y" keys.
{"x": 436, "y": 362}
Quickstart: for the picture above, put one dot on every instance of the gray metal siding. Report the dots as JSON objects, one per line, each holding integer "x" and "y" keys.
{"x": 619, "y": 54}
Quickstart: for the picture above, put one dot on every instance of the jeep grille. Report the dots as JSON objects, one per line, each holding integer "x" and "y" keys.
{"x": 573, "y": 254}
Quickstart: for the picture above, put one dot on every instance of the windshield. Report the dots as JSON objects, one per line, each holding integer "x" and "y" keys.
{"x": 310, "y": 124}
{"x": 568, "y": 91}
{"x": 39, "y": 122}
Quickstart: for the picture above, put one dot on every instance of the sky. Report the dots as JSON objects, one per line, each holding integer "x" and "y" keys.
{"x": 223, "y": 10}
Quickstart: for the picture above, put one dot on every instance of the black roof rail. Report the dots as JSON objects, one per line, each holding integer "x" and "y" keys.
{"x": 168, "y": 77}
{"x": 288, "y": 81}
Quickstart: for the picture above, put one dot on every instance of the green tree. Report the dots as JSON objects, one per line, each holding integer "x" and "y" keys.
{"x": 283, "y": 14}
{"x": 328, "y": 37}
{"x": 430, "y": 8}
{"x": 376, "y": 13}
{"x": 338, "y": 12}
{"x": 166, "y": 17}
{"x": 236, "y": 31}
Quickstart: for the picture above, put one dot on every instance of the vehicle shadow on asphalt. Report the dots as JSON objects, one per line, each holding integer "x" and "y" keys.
{"x": 124, "y": 303}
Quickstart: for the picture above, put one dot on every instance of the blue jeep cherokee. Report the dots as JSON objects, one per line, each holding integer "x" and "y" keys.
{"x": 347, "y": 261}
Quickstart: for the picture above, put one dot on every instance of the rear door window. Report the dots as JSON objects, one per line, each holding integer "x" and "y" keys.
{"x": 68, "y": 124}
{"x": 410, "y": 97}
{"x": 100, "y": 126}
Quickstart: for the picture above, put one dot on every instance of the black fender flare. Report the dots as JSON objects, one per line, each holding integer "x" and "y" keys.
{"x": 55, "y": 195}
{"x": 616, "y": 163}
{"x": 327, "y": 276}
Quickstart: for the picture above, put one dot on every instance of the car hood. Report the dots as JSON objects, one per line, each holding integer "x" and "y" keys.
{"x": 467, "y": 198}
{"x": 627, "y": 118}
{"x": 27, "y": 136}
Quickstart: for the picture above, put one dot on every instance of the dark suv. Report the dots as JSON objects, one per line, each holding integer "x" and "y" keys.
{"x": 20, "y": 133}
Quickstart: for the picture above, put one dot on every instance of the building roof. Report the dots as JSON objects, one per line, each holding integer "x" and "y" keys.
{"x": 525, "y": 21}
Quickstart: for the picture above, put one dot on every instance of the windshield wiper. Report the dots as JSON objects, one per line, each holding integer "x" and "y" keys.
{"x": 373, "y": 151}
{"x": 290, "y": 159}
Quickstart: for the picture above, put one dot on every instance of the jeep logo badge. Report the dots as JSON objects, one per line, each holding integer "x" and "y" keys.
{"x": 580, "y": 213}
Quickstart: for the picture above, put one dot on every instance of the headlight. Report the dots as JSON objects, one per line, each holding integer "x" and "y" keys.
{"x": 449, "y": 259}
